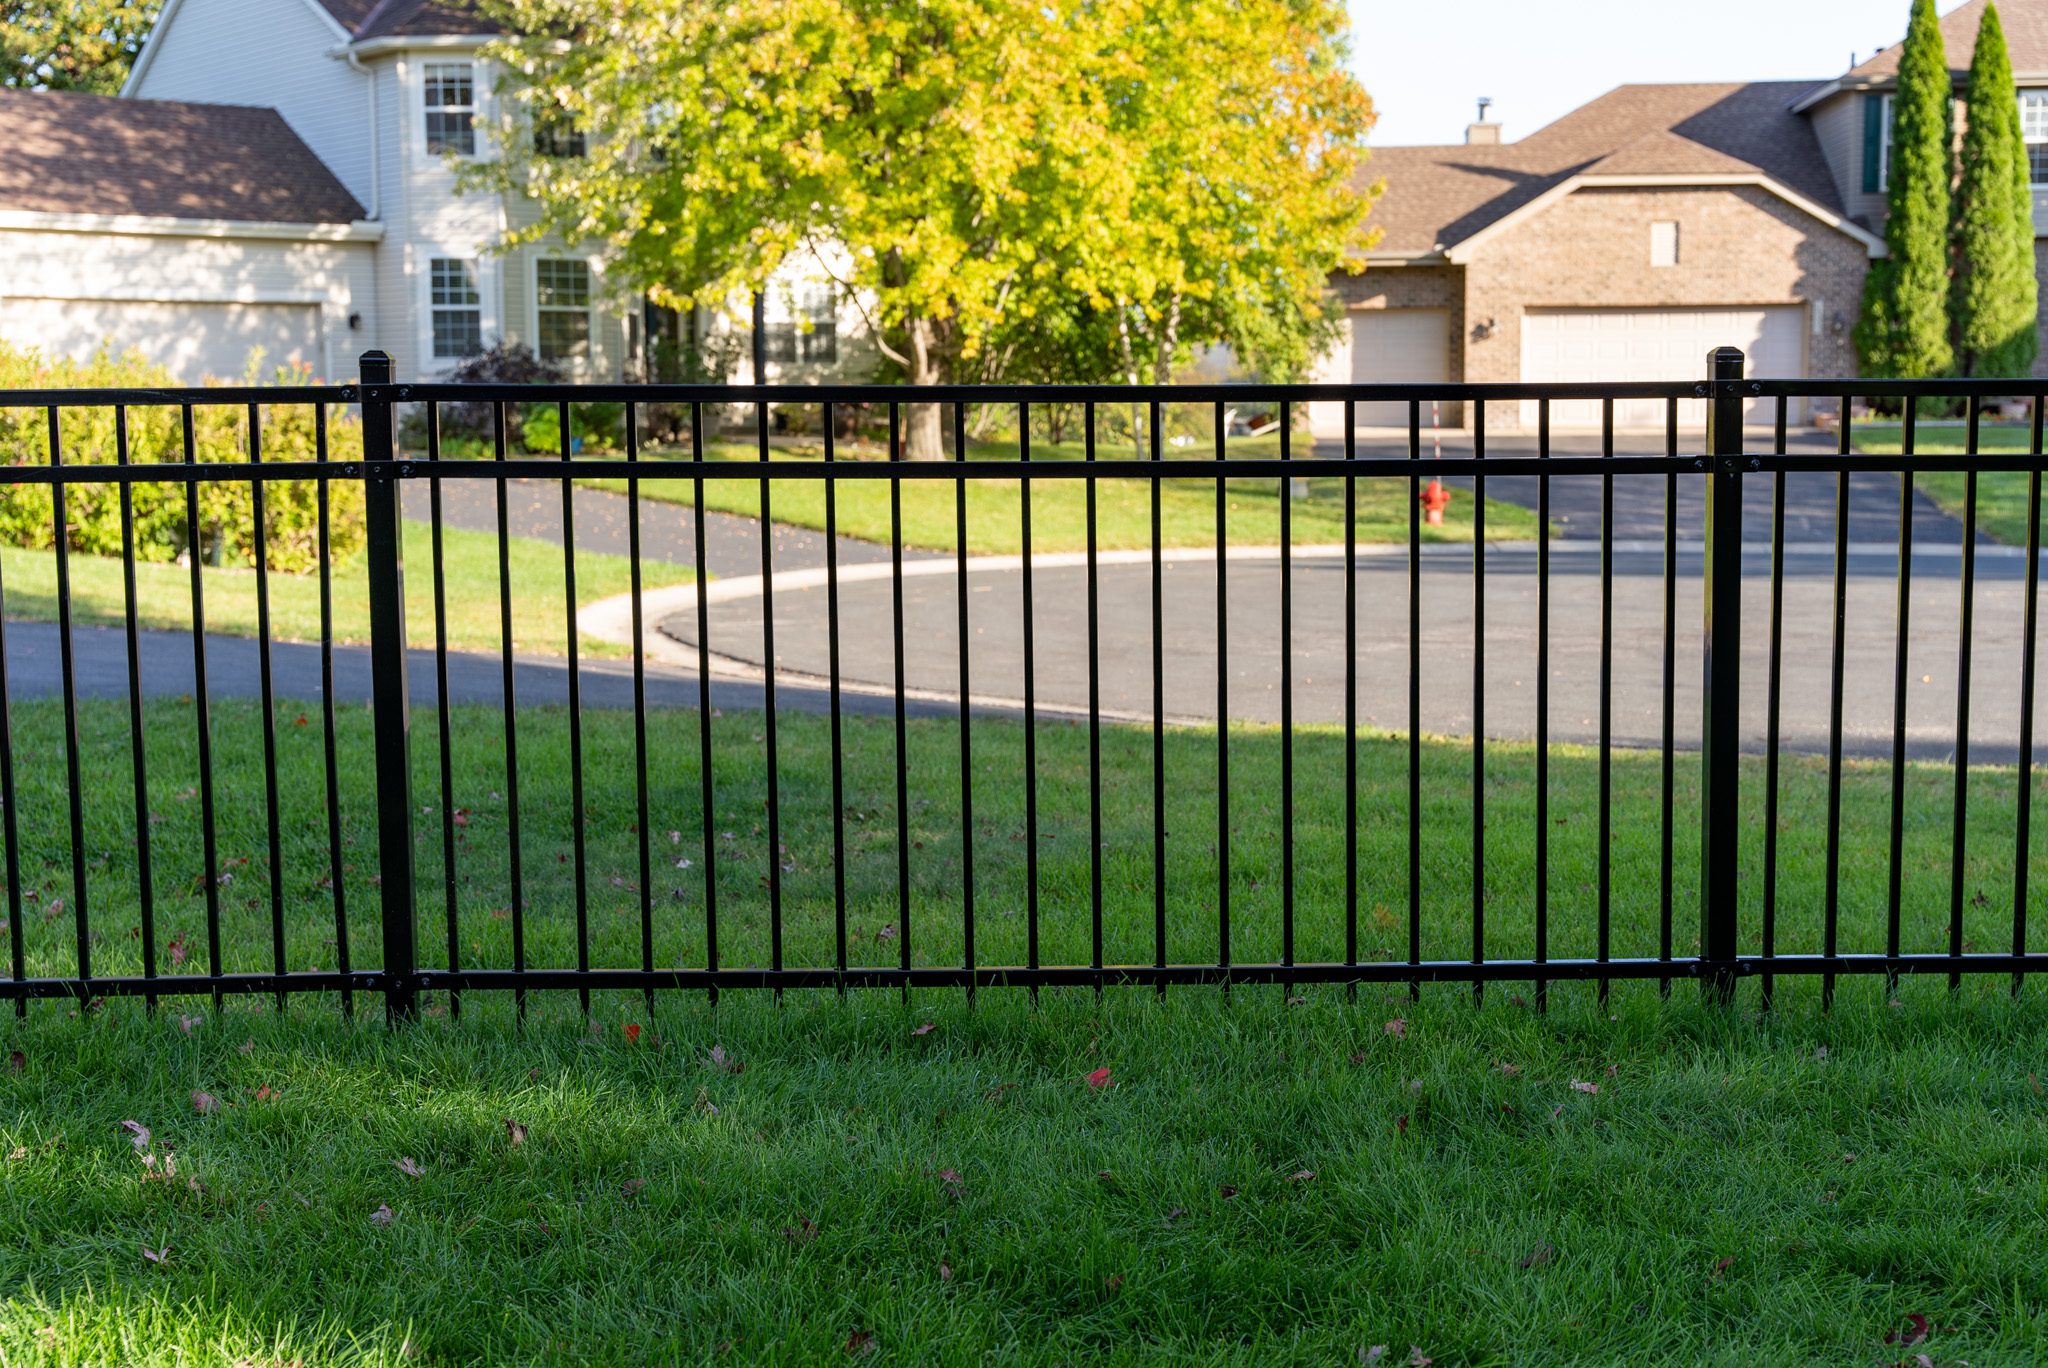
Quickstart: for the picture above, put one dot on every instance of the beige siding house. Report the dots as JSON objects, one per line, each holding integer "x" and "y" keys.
{"x": 1630, "y": 237}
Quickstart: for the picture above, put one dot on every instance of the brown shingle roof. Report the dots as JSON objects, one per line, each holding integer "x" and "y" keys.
{"x": 2026, "y": 36}
{"x": 99, "y": 154}
{"x": 365, "y": 19}
{"x": 1443, "y": 195}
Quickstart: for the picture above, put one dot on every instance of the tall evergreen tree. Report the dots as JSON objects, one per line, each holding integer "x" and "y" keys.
{"x": 1904, "y": 331}
{"x": 1993, "y": 298}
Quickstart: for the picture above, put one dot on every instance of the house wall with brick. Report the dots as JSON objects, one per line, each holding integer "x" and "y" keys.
{"x": 1739, "y": 246}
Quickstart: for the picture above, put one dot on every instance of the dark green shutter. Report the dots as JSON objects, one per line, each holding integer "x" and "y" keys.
{"x": 1873, "y": 141}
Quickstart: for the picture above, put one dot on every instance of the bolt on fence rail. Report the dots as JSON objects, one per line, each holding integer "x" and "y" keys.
{"x": 1063, "y": 902}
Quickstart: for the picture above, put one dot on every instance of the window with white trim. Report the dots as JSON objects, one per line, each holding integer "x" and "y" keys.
{"x": 562, "y": 299}
{"x": 2034, "y": 131}
{"x": 1664, "y": 243}
{"x": 810, "y": 331}
{"x": 451, "y": 107}
{"x": 1884, "y": 143}
{"x": 457, "y": 307}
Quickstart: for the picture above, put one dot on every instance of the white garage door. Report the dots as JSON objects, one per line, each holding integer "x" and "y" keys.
{"x": 194, "y": 340}
{"x": 1655, "y": 344}
{"x": 1395, "y": 347}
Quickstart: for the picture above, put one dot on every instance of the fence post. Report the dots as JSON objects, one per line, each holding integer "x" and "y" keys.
{"x": 389, "y": 700}
{"x": 1720, "y": 720}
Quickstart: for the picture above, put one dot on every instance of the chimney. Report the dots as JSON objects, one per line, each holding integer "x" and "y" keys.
{"x": 1482, "y": 133}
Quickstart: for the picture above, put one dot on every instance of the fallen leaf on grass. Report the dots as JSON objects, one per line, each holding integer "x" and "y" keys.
{"x": 1722, "y": 1265}
{"x": 1541, "y": 1255}
{"x": 1113, "y": 1281}
{"x": 204, "y": 1103}
{"x": 802, "y": 1233}
{"x": 1397, "y": 1028}
{"x": 1915, "y": 1331}
{"x": 705, "y": 1104}
{"x": 247, "y": 1047}
{"x": 632, "y": 1033}
{"x": 156, "y": 1256}
{"x": 1302, "y": 1176}
{"x": 2035, "y": 1079}
{"x": 186, "y": 1024}
{"x": 925, "y": 1029}
{"x": 16, "y": 1062}
{"x": 1578, "y": 1086}
{"x": 1099, "y": 1079}
{"x": 138, "y": 1134}
{"x": 515, "y": 1132}
{"x": 631, "y": 1187}
{"x": 1356, "y": 1060}
{"x": 409, "y": 1166}
{"x": 951, "y": 1178}
{"x": 945, "y": 1271}
{"x": 1372, "y": 1353}
{"x": 861, "y": 1342}
{"x": 381, "y": 1216}
{"x": 1175, "y": 1214}
{"x": 721, "y": 1060}
{"x": 1401, "y": 1124}
{"x": 1226, "y": 1192}
{"x": 1418, "y": 1359}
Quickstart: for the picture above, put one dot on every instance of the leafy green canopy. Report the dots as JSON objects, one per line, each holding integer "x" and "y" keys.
{"x": 1148, "y": 177}
{"x": 72, "y": 44}
{"x": 1904, "y": 330}
{"x": 1993, "y": 299}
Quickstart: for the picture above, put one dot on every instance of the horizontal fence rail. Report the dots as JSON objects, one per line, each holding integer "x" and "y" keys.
{"x": 857, "y": 809}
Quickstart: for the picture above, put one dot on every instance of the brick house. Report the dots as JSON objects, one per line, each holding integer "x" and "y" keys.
{"x": 1626, "y": 239}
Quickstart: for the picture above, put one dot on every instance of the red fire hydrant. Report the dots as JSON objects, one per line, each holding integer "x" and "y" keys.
{"x": 1435, "y": 499}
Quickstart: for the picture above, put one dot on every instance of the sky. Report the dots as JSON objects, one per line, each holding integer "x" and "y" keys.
{"x": 1427, "y": 62}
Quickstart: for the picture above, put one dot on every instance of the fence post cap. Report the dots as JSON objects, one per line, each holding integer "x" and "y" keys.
{"x": 1723, "y": 359}
{"x": 374, "y": 366}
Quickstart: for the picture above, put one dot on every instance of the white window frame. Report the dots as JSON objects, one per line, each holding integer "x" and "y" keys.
{"x": 420, "y": 265}
{"x": 2038, "y": 135}
{"x": 436, "y": 307}
{"x": 1884, "y": 144}
{"x": 475, "y": 107}
{"x": 588, "y": 360}
{"x": 1660, "y": 260}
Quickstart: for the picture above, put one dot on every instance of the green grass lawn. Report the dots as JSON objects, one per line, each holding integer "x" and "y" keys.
{"x": 2001, "y": 495}
{"x": 164, "y": 593}
{"x": 1059, "y": 507}
{"x": 1258, "y": 1183}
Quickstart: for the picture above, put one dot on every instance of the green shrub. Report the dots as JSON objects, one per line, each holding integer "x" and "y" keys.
{"x": 596, "y": 427}
{"x": 226, "y": 511}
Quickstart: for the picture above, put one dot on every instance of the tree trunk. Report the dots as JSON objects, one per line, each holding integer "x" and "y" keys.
{"x": 924, "y": 424}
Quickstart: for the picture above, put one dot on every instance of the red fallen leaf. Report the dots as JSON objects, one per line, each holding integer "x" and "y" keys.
{"x": 204, "y": 1103}
{"x": 631, "y": 1187}
{"x": 409, "y": 1166}
{"x": 861, "y": 1342}
{"x": 1397, "y": 1028}
{"x": 265, "y": 1093}
{"x": 1722, "y": 1265}
{"x": 1106, "y": 1178}
{"x": 1577, "y": 1086}
{"x": 156, "y": 1256}
{"x": 1302, "y": 1176}
{"x": 925, "y": 1029}
{"x": 1915, "y": 1331}
{"x": 1401, "y": 1126}
{"x": 945, "y": 1271}
{"x": 632, "y": 1033}
{"x": 301, "y": 721}
{"x": 951, "y": 1178}
{"x": 515, "y": 1132}
{"x": 177, "y": 949}
{"x": 461, "y": 817}
{"x": 1099, "y": 1079}
{"x": 381, "y": 1216}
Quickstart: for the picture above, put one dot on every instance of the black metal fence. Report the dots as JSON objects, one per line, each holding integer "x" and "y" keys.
{"x": 1737, "y": 931}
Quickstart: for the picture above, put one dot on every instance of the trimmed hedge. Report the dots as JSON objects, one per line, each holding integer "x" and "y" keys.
{"x": 227, "y": 513}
